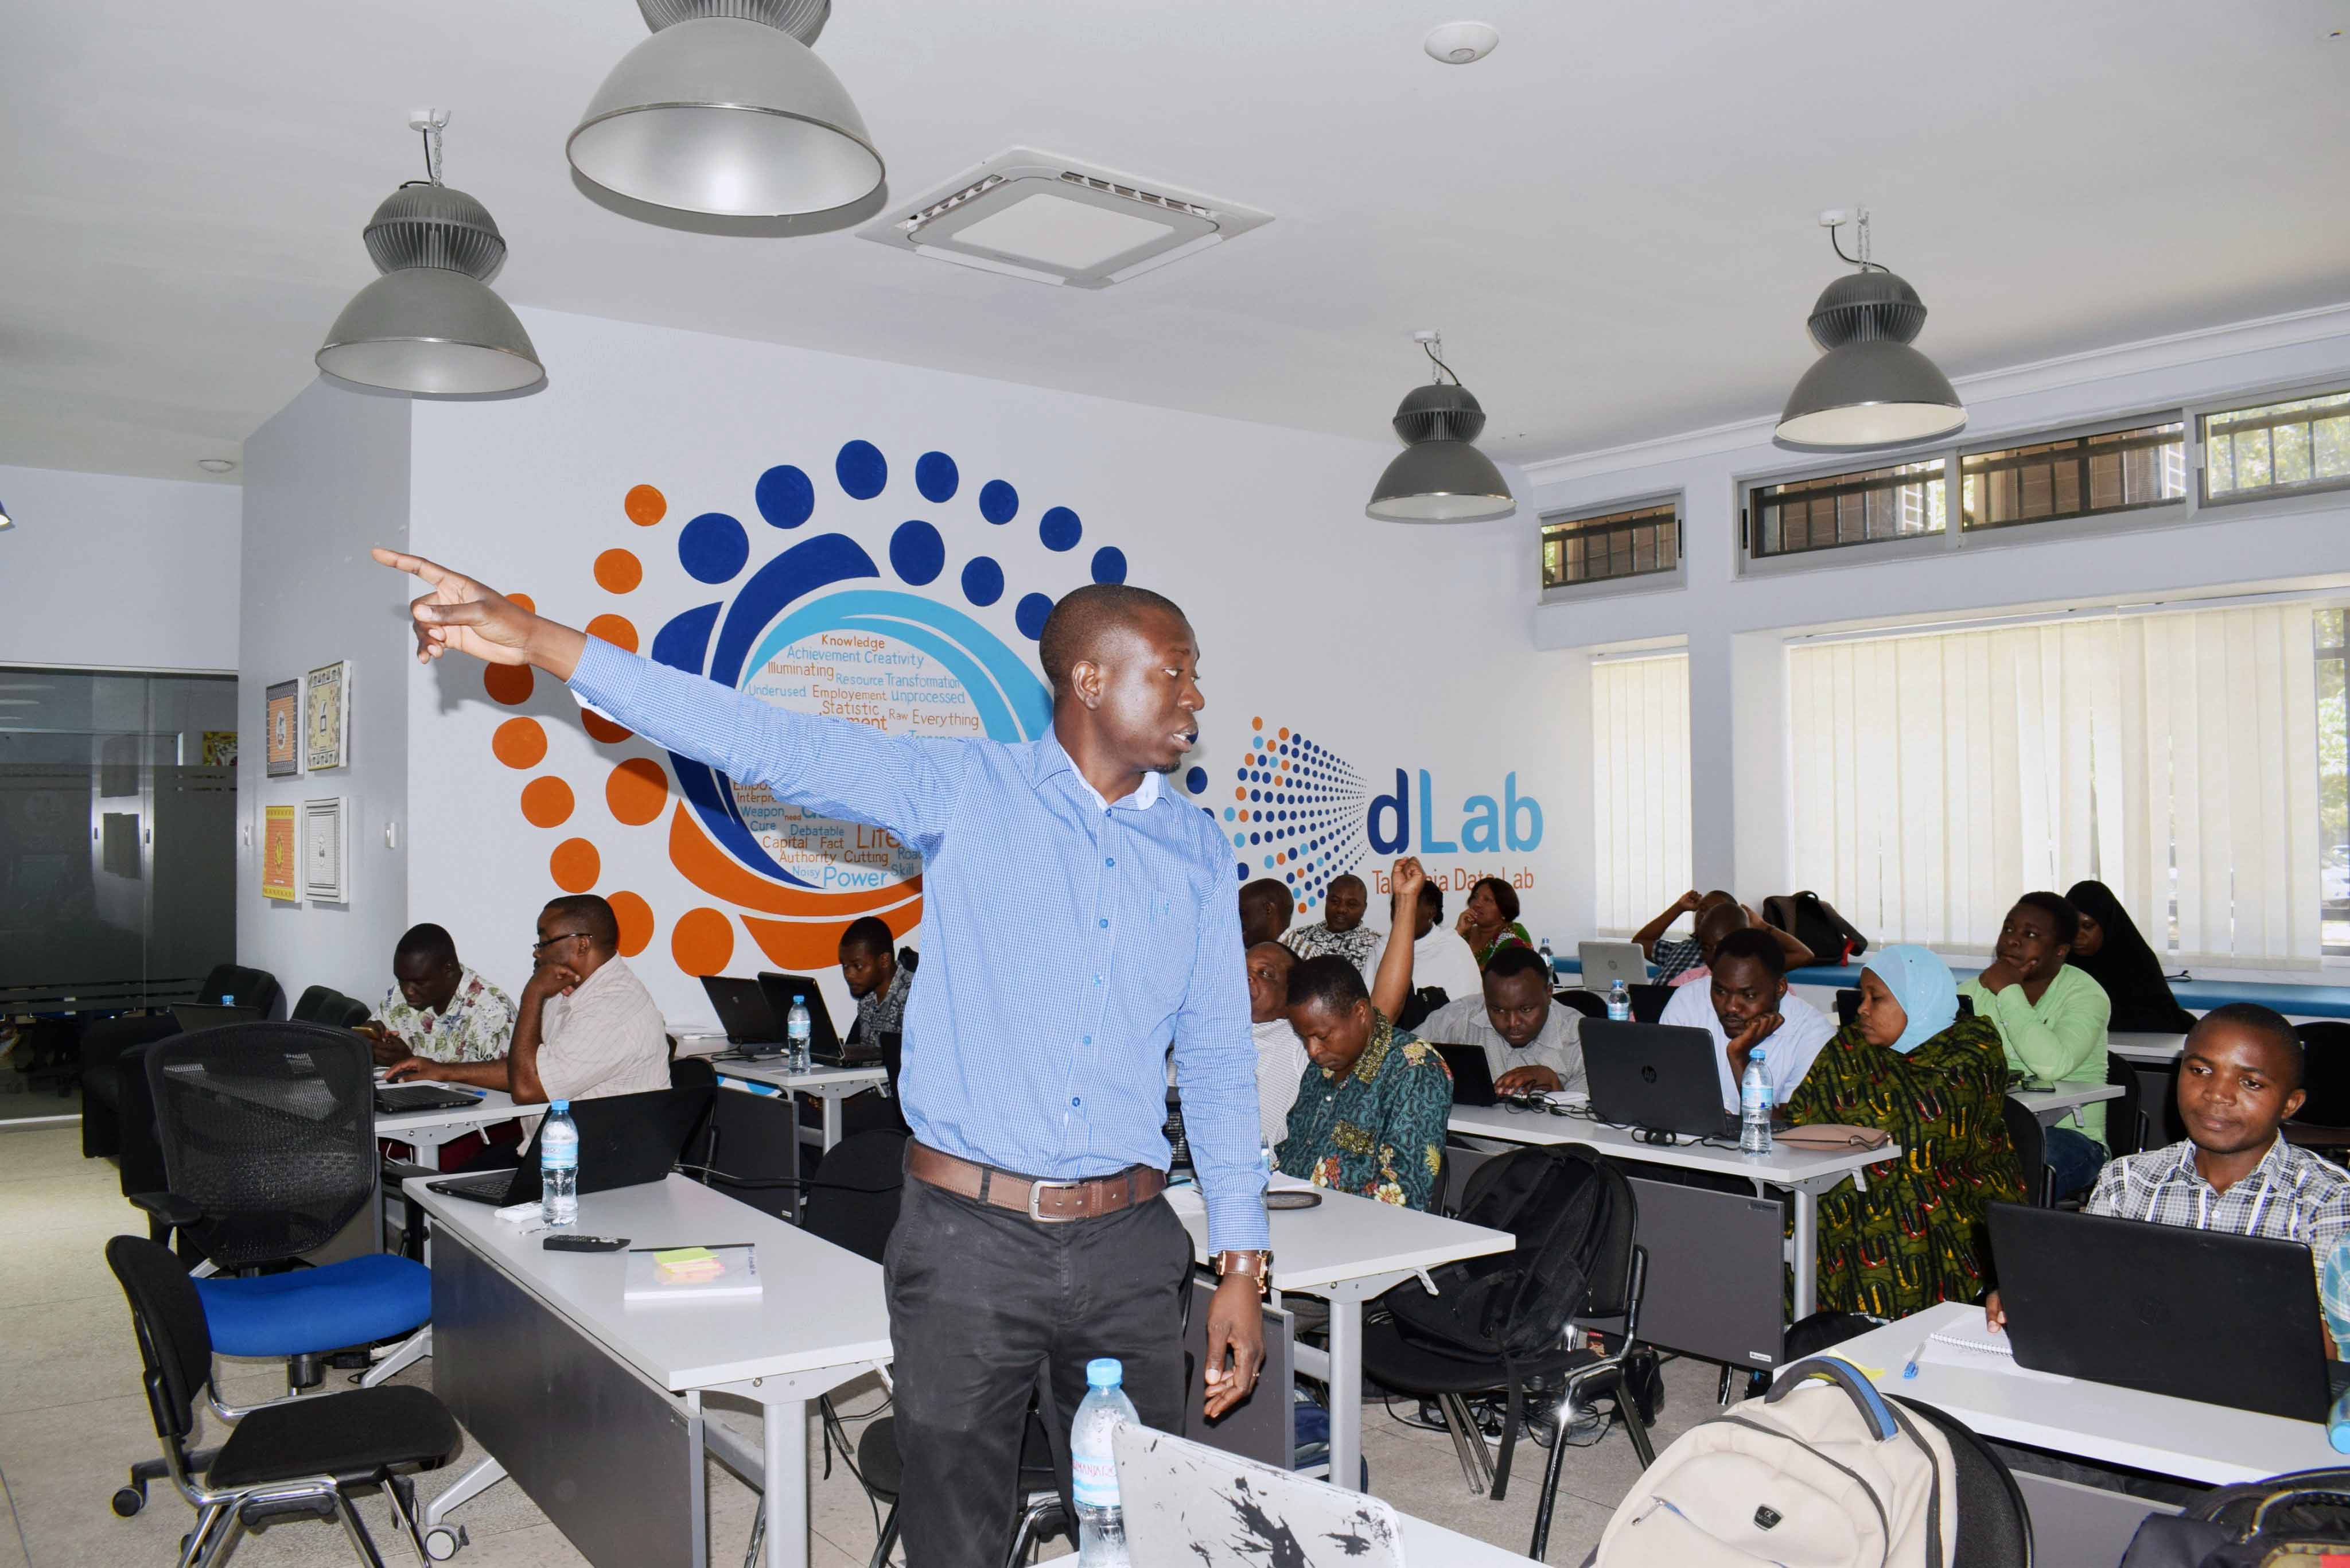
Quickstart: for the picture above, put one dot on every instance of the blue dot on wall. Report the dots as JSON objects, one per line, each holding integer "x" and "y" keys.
{"x": 1060, "y": 529}
{"x": 1110, "y": 565}
{"x": 1196, "y": 780}
{"x": 982, "y": 580}
{"x": 998, "y": 501}
{"x": 787, "y": 496}
{"x": 936, "y": 477}
{"x": 1239, "y": 872}
{"x": 712, "y": 547}
{"x": 917, "y": 552}
{"x": 1029, "y": 615}
{"x": 861, "y": 469}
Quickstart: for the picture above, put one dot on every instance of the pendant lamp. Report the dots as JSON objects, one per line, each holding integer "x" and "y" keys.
{"x": 430, "y": 324}
{"x": 1870, "y": 388}
{"x": 726, "y": 110}
{"x": 1440, "y": 477}
{"x": 7, "y": 522}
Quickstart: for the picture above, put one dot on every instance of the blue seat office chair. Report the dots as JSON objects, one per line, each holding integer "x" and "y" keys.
{"x": 268, "y": 1137}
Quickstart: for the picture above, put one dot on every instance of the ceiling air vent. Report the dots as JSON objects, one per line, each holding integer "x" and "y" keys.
{"x": 1050, "y": 219}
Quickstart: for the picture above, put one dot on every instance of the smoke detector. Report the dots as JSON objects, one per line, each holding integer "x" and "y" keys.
{"x": 1461, "y": 43}
{"x": 1049, "y": 219}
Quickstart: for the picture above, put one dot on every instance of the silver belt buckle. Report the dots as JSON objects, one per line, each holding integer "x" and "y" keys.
{"x": 1037, "y": 1187}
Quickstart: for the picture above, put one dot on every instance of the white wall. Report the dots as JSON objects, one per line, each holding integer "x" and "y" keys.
{"x": 1393, "y": 645}
{"x": 324, "y": 480}
{"x": 105, "y": 572}
{"x": 1737, "y": 627}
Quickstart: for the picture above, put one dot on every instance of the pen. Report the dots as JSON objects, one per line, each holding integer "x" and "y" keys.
{"x": 1909, "y": 1368}
{"x": 679, "y": 1246}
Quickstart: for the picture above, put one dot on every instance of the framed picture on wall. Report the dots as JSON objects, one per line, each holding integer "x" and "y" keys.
{"x": 280, "y": 836}
{"x": 283, "y": 720}
{"x": 327, "y": 851}
{"x": 220, "y": 748}
{"x": 327, "y": 717}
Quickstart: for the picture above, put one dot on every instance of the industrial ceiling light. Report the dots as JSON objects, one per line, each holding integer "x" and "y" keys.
{"x": 726, "y": 110}
{"x": 1870, "y": 388}
{"x": 1438, "y": 477}
{"x": 430, "y": 324}
{"x": 7, "y": 522}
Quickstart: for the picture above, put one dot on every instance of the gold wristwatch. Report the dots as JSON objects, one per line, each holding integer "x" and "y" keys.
{"x": 1257, "y": 1264}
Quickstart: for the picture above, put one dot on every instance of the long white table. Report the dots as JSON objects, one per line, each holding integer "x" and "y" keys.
{"x": 829, "y": 1086}
{"x": 427, "y": 1131}
{"x": 586, "y": 1400}
{"x": 1348, "y": 1250}
{"x": 2052, "y": 1106}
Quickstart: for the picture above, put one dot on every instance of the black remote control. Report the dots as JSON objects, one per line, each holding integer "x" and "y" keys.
{"x": 584, "y": 1243}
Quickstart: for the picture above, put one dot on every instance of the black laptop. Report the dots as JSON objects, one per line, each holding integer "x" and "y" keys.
{"x": 1472, "y": 1075}
{"x": 2196, "y": 1315}
{"x": 751, "y": 1027}
{"x": 625, "y": 1140}
{"x": 191, "y": 1016}
{"x": 1660, "y": 1077}
{"x": 825, "y": 1046}
{"x": 399, "y": 1099}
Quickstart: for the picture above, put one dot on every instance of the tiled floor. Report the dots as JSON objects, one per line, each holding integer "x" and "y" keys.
{"x": 72, "y": 1419}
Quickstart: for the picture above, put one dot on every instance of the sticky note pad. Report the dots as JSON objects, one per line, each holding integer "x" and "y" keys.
{"x": 677, "y": 1255}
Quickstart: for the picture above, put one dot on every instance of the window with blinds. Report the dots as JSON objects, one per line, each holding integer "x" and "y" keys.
{"x": 2291, "y": 448}
{"x": 1624, "y": 543}
{"x": 1868, "y": 506}
{"x": 2082, "y": 476}
{"x": 1640, "y": 786}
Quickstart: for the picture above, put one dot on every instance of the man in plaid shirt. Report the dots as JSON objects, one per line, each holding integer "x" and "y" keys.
{"x": 2239, "y": 1079}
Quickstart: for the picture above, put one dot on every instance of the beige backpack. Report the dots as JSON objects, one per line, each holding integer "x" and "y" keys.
{"x": 1824, "y": 1471}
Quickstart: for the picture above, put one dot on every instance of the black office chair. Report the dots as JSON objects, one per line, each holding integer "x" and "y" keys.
{"x": 2323, "y": 1122}
{"x": 292, "y": 1458}
{"x": 2125, "y": 1126}
{"x": 323, "y": 1005}
{"x": 1588, "y": 1003}
{"x": 1995, "y": 1525}
{"x": 1648, "y": 1001}
{"x": 1847, "y": 1003}
{"x": 2031, "y": 1143}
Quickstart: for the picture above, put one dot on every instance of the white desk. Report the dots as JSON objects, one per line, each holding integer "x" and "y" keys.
{"x": 2154, "y": 1050}
{"x": 821, "y": 1322}
{"x": 1348, "y": 1250}
{"x": 427, "y": 1131}
{"x": 1805, "y": 1173}
{"x": 1434, "y": 1546}
{"x": 2051, "y": 1105}
{"x": 830, "y": 1084}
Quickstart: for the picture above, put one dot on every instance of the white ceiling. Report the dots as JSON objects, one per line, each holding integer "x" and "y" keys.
{"x": 1611, "y": 219}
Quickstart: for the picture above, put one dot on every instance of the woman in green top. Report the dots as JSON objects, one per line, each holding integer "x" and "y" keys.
{"x": 1490, "y": 922}
{"x": 1910, "y": 1065}
{"x": 2052, "y": 1018}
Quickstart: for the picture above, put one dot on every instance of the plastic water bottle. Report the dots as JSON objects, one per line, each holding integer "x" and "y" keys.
{"x": 1092, "y": 1469}
{"x": 1620, "y": 1003}
{"x": 1550, "y": 961}
{"x": 1754, "y": 1108}
{"x": 797, "y": 1031}
{"x": 558, "y": 1166}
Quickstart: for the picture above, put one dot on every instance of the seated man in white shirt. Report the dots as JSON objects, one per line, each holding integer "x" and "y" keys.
{"x": 1744, "y": 1005}
{"x": 1529, "y": 1041}
{"x": 1280, "y": 1054}
{"x": 585, "y": 1027}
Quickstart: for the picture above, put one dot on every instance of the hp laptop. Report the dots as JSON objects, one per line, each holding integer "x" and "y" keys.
{"x": 1605, "y": 963}
{"x": 2196, "y": 1314}
{"x": 824, "y": 1041}
{"x": 750, "y": 1025}
{"x": 191, "y": 1016}
{"x": 625, "y": 1140}
{"x": 1472, "y": 1075}
{"x": 1657, "y": 1076}
{"x": 1190, "y": 1506}
{"x": 396, "y": 1100}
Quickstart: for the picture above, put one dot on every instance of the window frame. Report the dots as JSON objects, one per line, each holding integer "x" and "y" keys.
{"x": 2198, "y": 458}
{"x": 1658, "y": 581}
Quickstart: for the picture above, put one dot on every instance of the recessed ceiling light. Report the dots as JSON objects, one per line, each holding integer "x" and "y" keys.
{"x": 1461, "y": 43}
{"x": 215, "y": 465}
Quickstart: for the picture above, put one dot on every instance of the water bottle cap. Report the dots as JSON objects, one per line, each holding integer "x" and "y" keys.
{"x": 1105, "y": 1371}
{"x": 558, "y": 1104}
{"x": 1757, "y": 1055}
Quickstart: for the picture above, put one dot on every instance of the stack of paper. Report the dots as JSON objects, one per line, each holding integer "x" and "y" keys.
{"x": 688, "y": 1265}
{"x": 693, "y": 1273}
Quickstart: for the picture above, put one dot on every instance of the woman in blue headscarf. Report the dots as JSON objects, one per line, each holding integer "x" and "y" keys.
{"x": 1912, "y": 1065}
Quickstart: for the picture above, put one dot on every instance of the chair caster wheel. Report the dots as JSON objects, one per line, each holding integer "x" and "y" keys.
{"x": 129, "y": 1500}
{"x": 441, "y": 1542}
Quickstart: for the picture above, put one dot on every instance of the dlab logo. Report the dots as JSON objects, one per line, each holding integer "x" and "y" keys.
{"x": 802, "y": 629}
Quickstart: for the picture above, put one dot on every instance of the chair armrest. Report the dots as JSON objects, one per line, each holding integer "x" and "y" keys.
{"x": 169, "y": 1207}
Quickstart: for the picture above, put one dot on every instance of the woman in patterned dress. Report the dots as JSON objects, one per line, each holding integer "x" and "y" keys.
{"x": 1911, "y": 1066}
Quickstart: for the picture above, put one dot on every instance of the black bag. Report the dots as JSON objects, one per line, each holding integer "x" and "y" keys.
{"x": 1558, "y": 1205}
{"x": 2289, "y": 1519}
{"x": 1813, "y": 921}
{"x": 1417, "y": 1006}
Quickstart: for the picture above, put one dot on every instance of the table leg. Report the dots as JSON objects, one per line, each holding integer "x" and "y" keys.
{"x": 783, "y": 1499}
{"x": 831, "y": 1121}
{"x": 1806, "y": 1257}
{"x": 1345, "y": 1391}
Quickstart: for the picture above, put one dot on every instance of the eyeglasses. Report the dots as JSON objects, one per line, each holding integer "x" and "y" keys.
{"x": 545, "y": 942}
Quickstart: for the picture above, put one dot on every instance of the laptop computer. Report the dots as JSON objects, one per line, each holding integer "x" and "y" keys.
{"x": 191, "y": 1016}
{"x": 1657, "y": 1076}
{"x": 1605, "y": 963}
{"x": 396, "y": 1100}
{"x": 625, "y": 1140}
{"x": 1190, "y": 1506}
{"x": 750, "y": 1025}
{"x": 2196, "y": 1315}
{"x": 1472, "y": 1075}
{"x": 824, "y": 1041}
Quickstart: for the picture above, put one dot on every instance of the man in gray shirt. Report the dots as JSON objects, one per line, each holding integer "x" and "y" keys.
{"x": 1529, "y": 1041}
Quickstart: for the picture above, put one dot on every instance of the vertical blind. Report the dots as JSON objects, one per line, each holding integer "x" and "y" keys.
{"x": 1639, "y": 788}
{"x": 2173, "y": 757}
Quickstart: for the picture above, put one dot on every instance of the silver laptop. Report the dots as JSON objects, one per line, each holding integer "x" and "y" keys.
{"x": 1605, "y": 963}
{"x": 1190, "y": 1506}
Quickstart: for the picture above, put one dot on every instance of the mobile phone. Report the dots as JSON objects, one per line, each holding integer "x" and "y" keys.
{"x": 584, "y": 1243}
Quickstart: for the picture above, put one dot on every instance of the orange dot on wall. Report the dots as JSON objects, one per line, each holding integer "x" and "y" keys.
{"x": 617, "y": 630}
{"x": 1240, "y": 791}
{"x": 575, "y": 866}
{"x": 546, "y": 803}
{"x": 635, "y": 918}
{"x": 507, "y": 683}
{"x": 525, "y": 601}
{"x": 644, "y": 505}
{"x": 702, "y": 941}
{"x": 1256, "y": 724}
{"x": 519, "y": 743}
{"x": 1285, "y": 732}
{"x": 618, "y": 571}
{"x": 637, "y": 791}
{"x": 603, "y": 729}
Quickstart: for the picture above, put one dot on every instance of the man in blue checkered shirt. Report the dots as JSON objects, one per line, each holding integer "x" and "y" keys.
{"x": 1077, "y": 922}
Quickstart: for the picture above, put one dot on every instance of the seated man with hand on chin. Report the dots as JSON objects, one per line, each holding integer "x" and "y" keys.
{"x": 587, "y": 1026}
{"x": 1744, "y": 1005}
